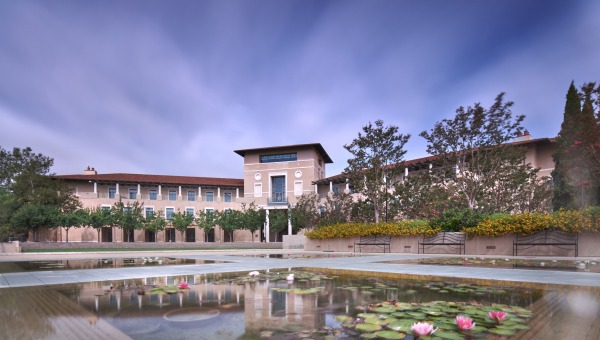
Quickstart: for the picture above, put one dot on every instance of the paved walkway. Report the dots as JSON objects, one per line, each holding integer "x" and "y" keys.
{"x": 245, "y": 261}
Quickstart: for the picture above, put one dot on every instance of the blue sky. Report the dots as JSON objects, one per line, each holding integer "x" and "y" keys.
{"x": 173, "y": 87}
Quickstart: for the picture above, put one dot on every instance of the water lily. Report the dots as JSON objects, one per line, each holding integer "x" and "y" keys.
{"x": 184, "y": 285}
{"x": 253, "y": 274}
{"x": 464, "y": 323}
{"x": 422, "y": 329}
{"x": 290, "y": 278}
{"x": 497, "y": 316}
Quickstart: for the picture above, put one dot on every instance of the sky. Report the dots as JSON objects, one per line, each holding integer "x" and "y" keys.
{"x": 174, "y": 87}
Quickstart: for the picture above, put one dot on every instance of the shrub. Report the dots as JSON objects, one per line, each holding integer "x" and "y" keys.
{"x": 346, "y": 230}
{"x": 456, "y": 219}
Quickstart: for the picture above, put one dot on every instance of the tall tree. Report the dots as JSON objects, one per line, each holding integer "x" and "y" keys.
{"x": 206, "y": 220}
{"x": 34, "y": 217}
{"x": 181, "y": 221}
{"x": 576, "y": 163}
{"x": 128, "y": 217}
{"x": 417, "y": 196}
{"x": 155, "y": 222}
{"x": 230, "y": 221}
{"x": 254, "y": 218}
{"x": 378, "y": 153}
{"x": 475, "y": 154}
{"x": 72, "y": 219}
{"x": 338, "y": 208}
{"x": 278, "y": 221}
{"x": 99, "y": 218}
{"x": 305, "y": 213}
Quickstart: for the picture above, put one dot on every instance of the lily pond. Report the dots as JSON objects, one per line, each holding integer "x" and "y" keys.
{"x": 298, "y": 304}
{"x": 25, "y": 266}
{"x": 484, "y": 262}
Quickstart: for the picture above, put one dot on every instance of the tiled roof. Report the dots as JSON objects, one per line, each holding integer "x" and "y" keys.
{"x": 415, "y": 163}
{"x": 156, "y": 179}
{"x": 317, "y": 146}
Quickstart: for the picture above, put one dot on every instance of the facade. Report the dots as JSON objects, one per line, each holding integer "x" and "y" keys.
{"x": 273, "y": 178}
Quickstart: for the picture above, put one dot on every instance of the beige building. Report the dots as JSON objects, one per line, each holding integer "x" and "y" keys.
{"x": 274, "y": 177}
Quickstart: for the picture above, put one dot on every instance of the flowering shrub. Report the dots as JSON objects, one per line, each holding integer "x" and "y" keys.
{"x": 569, "y": 221}
{"x": 346, "y": 230}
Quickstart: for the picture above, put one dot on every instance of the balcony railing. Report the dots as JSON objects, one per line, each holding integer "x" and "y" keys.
{"x": 277, "y": 198}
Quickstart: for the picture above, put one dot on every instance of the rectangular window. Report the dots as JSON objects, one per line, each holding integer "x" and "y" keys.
{"x": 189, "y": 211}
{"x": 227, "y": 197}
{"x": 112, "y": 192}
{"x": 258, "y": 190}
{"x": 278, "y": 189}
{"x": 153, "y": 194}
{"x": 209, "y": 196}
{"x": 169, "y": 213}
{"x": 191, "y": 195}
{"x": 170, "y": 234}
{"x": 336, "y": 190}
{"x": 149, "y": 211}
{"x": 283, "y": 157}
{"x": 106, "y": 207}
{"x": 297, "y": 188}
{"x": 132, "y": 194}
{"x": 172, "y": 195}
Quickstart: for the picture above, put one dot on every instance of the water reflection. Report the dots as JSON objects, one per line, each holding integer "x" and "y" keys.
{"x": 215, "y": 307}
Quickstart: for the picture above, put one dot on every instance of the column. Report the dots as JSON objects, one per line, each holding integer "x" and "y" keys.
{"x": 95, "y": 187}
{"x": 218, "y": 194}
{"x": 289, "y": 222}
{"x": 267, "y": 227}
{"x": 179, "y": 197}
{"x": 159, "y": 192}
{"x": 330, "y": 186}
{"x": 139, "y": 192}
{"x": 237, "y": 192}
{"x": 405, "y": 172}
{"x": 199, "y": 193}
{"x": 118, "y": 193}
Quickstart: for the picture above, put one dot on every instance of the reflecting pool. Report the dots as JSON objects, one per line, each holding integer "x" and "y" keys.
{"x": 486, "y": 262}
{"x": 26, "y": 266}
{"x": 302, "y": 255}
{"x": 312, "y": 304}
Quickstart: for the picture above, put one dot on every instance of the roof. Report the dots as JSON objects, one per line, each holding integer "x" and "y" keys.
{"x": 317, "y": 146}
{"x": 156, "y": 179}
{"x": 421, "y": 163}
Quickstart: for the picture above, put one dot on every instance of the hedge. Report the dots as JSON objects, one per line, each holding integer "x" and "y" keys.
{"x": 346, "y": 230}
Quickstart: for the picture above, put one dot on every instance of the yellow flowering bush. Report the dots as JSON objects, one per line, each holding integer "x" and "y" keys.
{"x": 346, "y": 230}
{"x": 569, "y": 221}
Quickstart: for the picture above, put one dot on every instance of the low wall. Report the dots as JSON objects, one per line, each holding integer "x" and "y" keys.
{"x": 294, "y": 241}
{"x": 589, "y": 245}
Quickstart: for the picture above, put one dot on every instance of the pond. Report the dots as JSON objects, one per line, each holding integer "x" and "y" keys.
{"x": 588, "y": 265}
{"x": 28, "y": 266}
{"x": 302, "y": 256}
{"x": 314, "y": 304}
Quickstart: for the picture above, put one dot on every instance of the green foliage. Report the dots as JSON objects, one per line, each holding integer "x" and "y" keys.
{"x": 181, "y": 221}
{"x": 375, "y": 166}
{"x": 72, "y": 219}
{"x": 155, "y": 222}
{"x": 305, "y": 214}
{"x": 230, "y": 221}
{"x": 278, "y": 221}
{"x": 337, "y": 209}
{"x": 206, "y": 220}
{"x": 346, "y": 230}
{"x": 456, "y": 219}
{"x": 128, "y": 216}
{"x": 253, "y": 218}
{"x": 33, "y": 217}
{"x": 360, "y": 211}
{"x": 417, "y": 197}
{"x": 99, "y": 218}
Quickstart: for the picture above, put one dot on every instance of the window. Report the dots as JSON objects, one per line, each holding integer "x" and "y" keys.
{"x": 284, "y": 157}
{"x": 172, "y": 195}
{"x": 152, "y": 194}
{"x": 258, "y": 190}
{"x": 191, "y": 195}
{"x": 297, "y": 188}
{"x": 209, "y": 196}
{"x": 132, "y": 194}
{"x": 336, "y": 190}
{"x": 170, "y": 233}
{"x": 278, "y": 189}
{"x": 169, "y": 213}
{"x": 112, "y": 192}
{"x": 227, "y": 197}
{"x": 149, "y": 211}
{"x": 106, "y": 207}
{"x": 189, "y": 211}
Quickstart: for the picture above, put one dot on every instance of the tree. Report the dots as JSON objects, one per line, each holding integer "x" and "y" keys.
{"x": 338, "y": 208}
{"x": 206, "y": 220}
{"x": 99, "y": 218}
{"x": 33, "y": 217}
{"x": 154, "y": 222}
{"x": 278, "y": 221}
{"x": 418, "y": 197}
{"x": 253, "y": 218}
{"x": 475, "y": 156}
{"x": 230, "y": 221}
{"x": 128, "y": 216}
{"x": 181, "y": 221}
{"x": 72, "y": 219}
{"x": 376, "y": 164}
{"x": 305, "y": 213}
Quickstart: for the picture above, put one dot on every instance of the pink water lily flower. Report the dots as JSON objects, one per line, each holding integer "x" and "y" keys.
{"x": 422, "y": 329}
{"x": 253, "y": 274}
{"x": 184, "y": 285}
{"x": 464, "y": 323}
{"x": 497, "y": 316}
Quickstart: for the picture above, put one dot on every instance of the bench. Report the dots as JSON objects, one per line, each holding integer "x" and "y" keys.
{"x": 381, "y": 241}
{"x": 553, "y": 238}
{"x": 455, "y": 240}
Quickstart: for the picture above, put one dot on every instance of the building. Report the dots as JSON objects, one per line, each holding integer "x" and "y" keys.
{"x": 273, "y": 178}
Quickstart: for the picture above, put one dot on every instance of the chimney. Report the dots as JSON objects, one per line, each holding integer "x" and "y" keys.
{"x": 90, "y": 171}
{"x": 522, "y": 137}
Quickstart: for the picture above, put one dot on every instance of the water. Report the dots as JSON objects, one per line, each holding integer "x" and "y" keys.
{"x": 26, "y": 266}
{"x": 316, "y": 305}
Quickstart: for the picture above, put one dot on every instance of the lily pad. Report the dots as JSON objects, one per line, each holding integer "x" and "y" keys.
{"x": 390, "y": 335}
{"x": 449, "y": 335}
{"x": 368, "y": 327}
{"x": 502, "y": 331}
